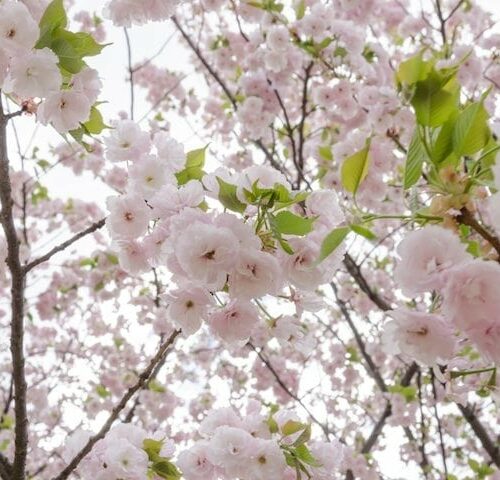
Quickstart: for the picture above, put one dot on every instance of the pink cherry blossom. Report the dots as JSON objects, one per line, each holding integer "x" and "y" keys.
{"x": 187, "y": 307}
{"x": 129, "y": 216}
{"x": 234, "y": 322}
{"x": 424, "y": 337}
{"x": 425, "y": 255}
{"x": 65, "y": 110}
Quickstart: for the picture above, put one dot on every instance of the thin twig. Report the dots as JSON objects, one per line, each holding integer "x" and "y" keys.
{"x": 130, "y": 72}
{"x": 282, "y": 384}
{"x": 59, "y": 248}
{"x": 225, "y": 88}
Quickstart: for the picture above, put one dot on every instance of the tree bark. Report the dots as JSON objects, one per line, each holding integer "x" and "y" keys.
{"x": 17, "y": 308}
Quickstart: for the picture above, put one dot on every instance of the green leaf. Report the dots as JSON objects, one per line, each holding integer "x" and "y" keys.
{"x": 415, "y": 69}
{"x": 193, "y": 170}
{"x": 113, "y": 259}
{"x": 166, "y": 469}
{"x": 355, "y": 168}
{"x": 471, "y": 132}
{"x": 54, "y": 18}
{"x": 435, "y": 101}
{"x": 303, "y": 454}
{"x": 83, "y": 43}
{"x": 304, "y": 437}
{"x": 288, "y": 223}
{"x": 39, "y": 194}
{"x": 6, "y": 422}
{"x": 95, "y": 124}
{"x": 443, "y": 146}
{"x": 409, "y": 393}
{"x": 155, "y": 386}
{"x": 291, "y": 427}
{"x": 332, "y": 241}
{"x": 414, "y": 161}
{"x": 102, "y": 391}
{"x": 300, "y": 9}
{"x": 69, "y": 59}
{"x": 89, "y": 262}
{"x": 152, "y": 448}
{"x": 228, "y": 197}
{"x": 364, "y": 232}
{"x": 325, "y": 152}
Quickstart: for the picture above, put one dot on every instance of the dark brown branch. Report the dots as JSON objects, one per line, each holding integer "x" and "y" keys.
{"x": 358, "y": 277}
{"x": 440, "y": 429}
{"x": 423, "y": 439}
{"x": 372, "y": 368}
{"x": 442, "y": 22}
{"x": 466, "y": 217}
{"x": 492, "y": 448}
{"x": 303, "y": 109}
{"x": 143, "y": 378}
{"x": 17, "y": 308}
{"x": 5, "y": 468}
{"x": 94, "y": 227}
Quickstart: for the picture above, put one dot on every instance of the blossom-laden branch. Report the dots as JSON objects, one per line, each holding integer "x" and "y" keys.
{"x": 17, "y": 308}
{"x": 144, "y": 377}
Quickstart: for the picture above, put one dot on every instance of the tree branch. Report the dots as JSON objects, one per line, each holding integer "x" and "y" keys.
{"x": 5, "y": 468}
{"x": 372, "y": 368}
{"x": 466, "y": 217}
{"x": 488, "y": 444}
{"x": 94, "y": 227}
{"x": 17, "y": 307}
{"x": 130, "y": 72}
{"x": 143, "y": 378}
{"x": 282, "y": 384}
{"x": 356, "y": 274}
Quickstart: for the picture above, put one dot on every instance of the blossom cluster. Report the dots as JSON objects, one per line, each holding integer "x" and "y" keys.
{"x": 31, "y": 70}
{"x": 257, "y": 447}
{"x": 126, "y": 452}
{"x": 433, "y": 259}
{"x": 124, "y": 13}
{"x": 164, "y": 219}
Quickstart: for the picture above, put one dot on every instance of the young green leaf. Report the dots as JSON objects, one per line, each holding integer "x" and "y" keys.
{"x": 95, "y": 124}
{"x": 228, "y": 197}
{"x": 355, "y": 168}
{"x": 443, "y": 145}
{"x": 435, "y": 102}
{"x": 332, "y": 241}
{"x": 364, "y": 232}
{"x": 471, "y": 132}
{"x": 195, "y": 161}
{"x": 413, "y": 70}
{"x": 54, "y": 18}
{"x": 291, "y": 427}
{"x": 414, "y": 161}
{"x": 288, "y": 223}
